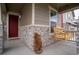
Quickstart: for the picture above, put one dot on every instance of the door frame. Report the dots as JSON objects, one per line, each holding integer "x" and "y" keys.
{"x": 51, "y": 8}
{"x": 16, "y": 14}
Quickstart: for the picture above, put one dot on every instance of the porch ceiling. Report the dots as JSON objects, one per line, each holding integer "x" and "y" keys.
{"x": 57, "y": 5}
{"x": 17, "y": 7}
{"x": 64, "y": 6}
{"x": 14, "y": 7}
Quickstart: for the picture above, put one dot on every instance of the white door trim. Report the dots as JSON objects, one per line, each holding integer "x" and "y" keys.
{"x": 12, "y": 13}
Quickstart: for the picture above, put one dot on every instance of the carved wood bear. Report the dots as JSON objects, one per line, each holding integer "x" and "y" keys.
{"x": 37, "y": 43}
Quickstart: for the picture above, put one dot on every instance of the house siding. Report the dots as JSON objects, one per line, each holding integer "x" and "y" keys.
{"x": 3, "y": 32}
{"x": 41, "y": 14}
{"x": 0, "y": 11}
{"x": 26, "y": 15}
{"x": 27, "y": 32}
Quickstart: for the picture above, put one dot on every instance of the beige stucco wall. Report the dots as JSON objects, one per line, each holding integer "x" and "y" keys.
{"x": 41, "y": 14}
{"x": 26, "y": 15}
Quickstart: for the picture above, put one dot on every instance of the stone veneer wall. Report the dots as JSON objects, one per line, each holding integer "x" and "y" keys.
{"x": 27, "y": 35}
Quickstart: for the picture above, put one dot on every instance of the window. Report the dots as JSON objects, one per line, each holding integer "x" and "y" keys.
{"x": 53, "y": 20}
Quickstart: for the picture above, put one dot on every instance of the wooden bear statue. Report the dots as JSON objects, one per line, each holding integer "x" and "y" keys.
{"x": 37, "y": 43}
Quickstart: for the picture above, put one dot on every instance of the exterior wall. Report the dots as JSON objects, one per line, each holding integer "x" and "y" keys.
{"x": 41, "y": 18}
{"x": 0, "y": 32}
{"x": 3, "y": 31}
{"x": 4, "y": 14}
{"x": 0, "y": 11}
{"x": 26, "y": 15}
{"x": 4, "y": 20}
{"x": 27, "y": 34}
{"x": 41, "y": 14}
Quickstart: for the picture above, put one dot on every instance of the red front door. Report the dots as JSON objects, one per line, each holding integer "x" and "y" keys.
{"x": 13, "y": 26}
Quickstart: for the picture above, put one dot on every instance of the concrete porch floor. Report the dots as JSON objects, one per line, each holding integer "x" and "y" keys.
{"x": 17, "y": 47}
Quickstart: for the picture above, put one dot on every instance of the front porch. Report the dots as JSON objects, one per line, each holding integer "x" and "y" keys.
{"x": 17, "y": 47}
{"x": 36, "y": 18}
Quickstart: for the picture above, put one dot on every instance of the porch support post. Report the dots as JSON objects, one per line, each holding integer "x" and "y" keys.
{"x": 33, "y": 13}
